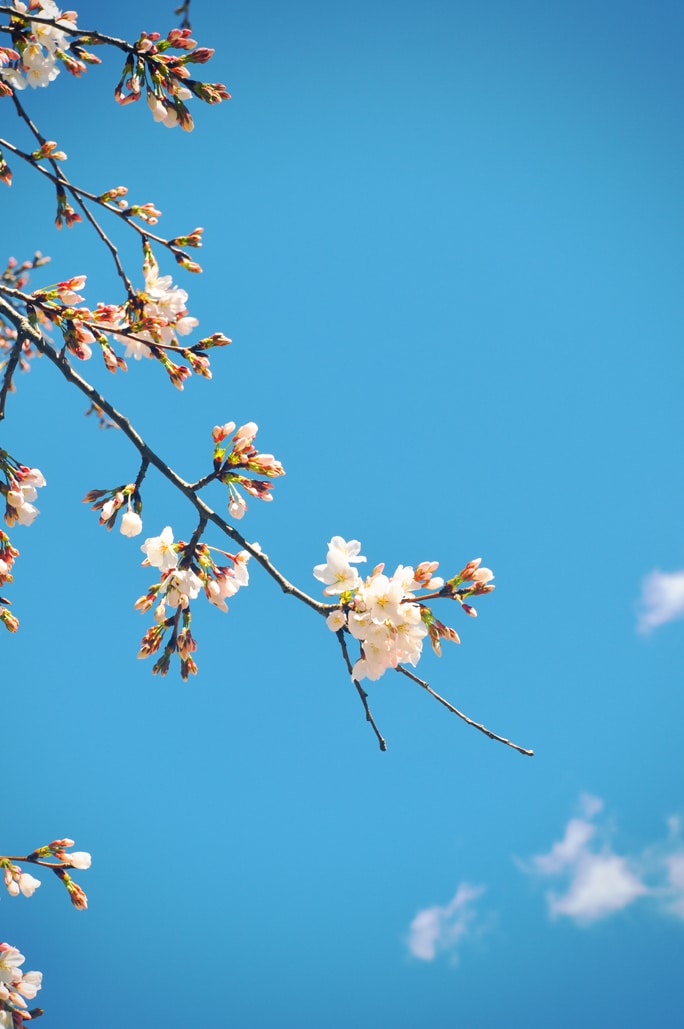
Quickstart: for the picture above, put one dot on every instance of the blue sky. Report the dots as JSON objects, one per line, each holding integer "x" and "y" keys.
{"x": 446, "y": 242}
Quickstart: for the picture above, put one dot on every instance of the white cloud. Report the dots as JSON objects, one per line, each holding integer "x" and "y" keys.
{"x": 600, "y": 881}
{"x": 600, "y": 885}
{"x": 439, "y": 928}
{"x": 662, "y": 599}
{"x": 568, "y": 850}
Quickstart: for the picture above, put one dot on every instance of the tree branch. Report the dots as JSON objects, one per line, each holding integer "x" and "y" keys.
{"x": 10, "y": 368}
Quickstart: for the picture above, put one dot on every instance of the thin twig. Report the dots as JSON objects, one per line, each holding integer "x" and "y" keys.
{"x": 360, "y": 690}
{"x": 455, "y": 711}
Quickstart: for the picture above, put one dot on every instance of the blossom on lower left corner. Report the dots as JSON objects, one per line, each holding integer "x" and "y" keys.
{"x": 16, "y": 987}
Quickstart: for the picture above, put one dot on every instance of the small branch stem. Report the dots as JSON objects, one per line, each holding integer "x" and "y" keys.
{"x": 360, "y": 690}
{"x": 455, "y": 711}
{"x": 144, "y": 465}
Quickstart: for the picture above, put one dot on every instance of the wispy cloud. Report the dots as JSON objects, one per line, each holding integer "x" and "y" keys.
{"x": 441, "y": 929}
{"x": 662, "y": 599}
{"x": 599, "y": 882}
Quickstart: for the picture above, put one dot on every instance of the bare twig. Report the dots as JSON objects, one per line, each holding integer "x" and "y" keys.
{"x": 455, "y": 711}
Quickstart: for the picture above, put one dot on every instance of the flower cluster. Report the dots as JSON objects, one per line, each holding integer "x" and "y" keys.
{"x": 229, "y": 465}
{"x": 147, "y": 324}
{"x": 158, "y": 315}
{"x": 41, "y": 48}
{"x": 16, "y": 987}
{"x": 19, "y": 490}
{"x": 383, "y": 612}
{"x": 166, "y": 77}
{"x": 186, "y": 570}
{"x": 58, "y": 858}
{"x": 110, "y": 502}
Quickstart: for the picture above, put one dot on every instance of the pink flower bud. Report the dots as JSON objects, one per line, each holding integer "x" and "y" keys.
{"x": 482, "y": 575}
{"x": 219, "y": 432}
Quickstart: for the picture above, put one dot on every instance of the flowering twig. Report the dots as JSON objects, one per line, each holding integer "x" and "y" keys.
{"x": 24, "y": 327}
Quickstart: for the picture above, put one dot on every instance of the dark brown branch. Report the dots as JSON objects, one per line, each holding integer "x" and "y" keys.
{"x": 81, "y": 35}
{"x": 455, "y": 711}
{"x": 10, "y": 368}
{"x": 360, "y": 690}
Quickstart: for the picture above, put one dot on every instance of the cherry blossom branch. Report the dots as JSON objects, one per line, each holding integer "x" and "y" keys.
{"x": 360, "y": 690}
{"x": 455, "y": 711}
{"x": 33, "y": 301}
{"x": 83, "y": 35}
{"x": 148, "y": 63}
{"x": 24, "y": 328}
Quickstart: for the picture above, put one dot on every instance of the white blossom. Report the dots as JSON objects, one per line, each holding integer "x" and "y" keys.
{"x": 131, "y": 524}
{"x": 159, "y": 550}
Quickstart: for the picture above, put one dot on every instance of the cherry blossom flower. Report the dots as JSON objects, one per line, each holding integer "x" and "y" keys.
{"x": 336, "y": 620}
{"x": 30, "y": 983}
{"x": 10, "y": 960}
{"x": 131, "y": 524}
{"x": 182, "y": 587}
{"x": 337, "y": 573}
{"x": 159, "y": 551}
{"x": 27, "y": 884}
